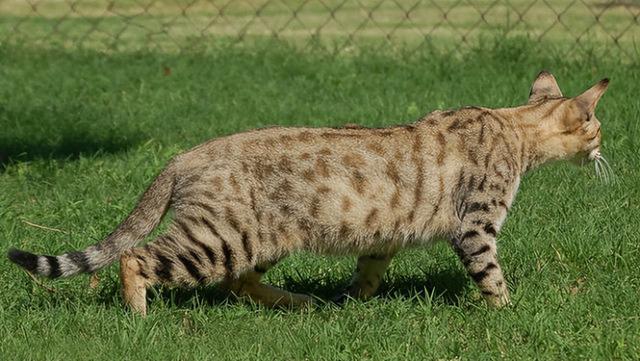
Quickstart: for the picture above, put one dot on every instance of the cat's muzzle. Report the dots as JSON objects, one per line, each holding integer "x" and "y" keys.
{"x": 595, "y": 154}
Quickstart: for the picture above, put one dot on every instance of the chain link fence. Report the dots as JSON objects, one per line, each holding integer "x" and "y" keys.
{"x": 339, "y": 25}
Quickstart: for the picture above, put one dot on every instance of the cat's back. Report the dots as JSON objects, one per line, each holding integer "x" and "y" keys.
{"x": 395, "y": 180}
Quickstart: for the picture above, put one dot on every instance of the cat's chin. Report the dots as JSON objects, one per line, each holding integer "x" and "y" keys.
{"x": 581, "y": 159}
{"x": 586, "y": 157}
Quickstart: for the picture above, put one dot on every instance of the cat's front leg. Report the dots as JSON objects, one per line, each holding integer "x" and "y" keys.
{"x": 475, "y": 244}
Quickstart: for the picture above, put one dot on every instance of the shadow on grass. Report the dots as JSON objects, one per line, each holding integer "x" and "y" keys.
{"x": 59, "y": 133}
{"x": 445, "y": 286}
{"x": 71, "y": 146}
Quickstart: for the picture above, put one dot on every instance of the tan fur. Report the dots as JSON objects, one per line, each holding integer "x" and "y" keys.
{"x": 134, "y": 289}
{"x": 247, "y": 200}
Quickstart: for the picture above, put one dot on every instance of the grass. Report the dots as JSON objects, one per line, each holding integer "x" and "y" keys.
{"x": 84, "y": 133}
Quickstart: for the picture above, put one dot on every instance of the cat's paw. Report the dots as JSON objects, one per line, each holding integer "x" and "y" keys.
{"x": 304, "y": 301}
{"x": 353, "y": 293}
{"x": 498, "y": 301}
{"x": 341, "y": 298}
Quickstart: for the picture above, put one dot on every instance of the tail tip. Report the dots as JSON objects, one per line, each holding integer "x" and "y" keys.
{"x": 26, "y": 260}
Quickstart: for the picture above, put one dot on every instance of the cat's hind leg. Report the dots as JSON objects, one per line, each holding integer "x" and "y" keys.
{"x": 249, "y": 285}
{"x": 171, "y": 260}
{"x": 367, "y": 277}
{"x": 134, "y": 283}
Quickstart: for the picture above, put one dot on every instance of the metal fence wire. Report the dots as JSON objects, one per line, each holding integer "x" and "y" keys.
{"x": 340, "y": 25}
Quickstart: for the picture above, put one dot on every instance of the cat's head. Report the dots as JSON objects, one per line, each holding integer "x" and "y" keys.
{"x": 569, "y": 126}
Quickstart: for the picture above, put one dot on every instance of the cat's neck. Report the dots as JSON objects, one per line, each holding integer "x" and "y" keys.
{"x": 532, "y": 122}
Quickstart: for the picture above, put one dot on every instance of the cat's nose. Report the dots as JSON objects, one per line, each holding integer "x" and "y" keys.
{"x": 594, "y": 154}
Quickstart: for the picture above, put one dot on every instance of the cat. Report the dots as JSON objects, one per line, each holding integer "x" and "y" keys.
{"x": 243, "y": 202}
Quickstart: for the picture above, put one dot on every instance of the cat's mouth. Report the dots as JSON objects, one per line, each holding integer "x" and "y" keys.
{"x": 603, "y": 169}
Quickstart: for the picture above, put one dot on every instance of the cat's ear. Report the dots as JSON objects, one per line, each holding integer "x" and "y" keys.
{"x": 545, "y": 86}
{"x": 589, "y": 99}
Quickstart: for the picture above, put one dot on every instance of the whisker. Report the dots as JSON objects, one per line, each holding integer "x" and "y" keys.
{"x": 606, "y": 162}
{"x": 607, "y": 167}
{"x": 607, "y": 173}
{"x": 612, "y": 174}
{"x": 603, "y": 171}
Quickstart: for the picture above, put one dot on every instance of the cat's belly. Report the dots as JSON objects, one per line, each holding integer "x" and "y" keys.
{"x": 380, "y": 242}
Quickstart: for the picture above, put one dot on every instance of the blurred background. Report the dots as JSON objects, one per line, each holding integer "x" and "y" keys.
{"x": 338, "y": 25}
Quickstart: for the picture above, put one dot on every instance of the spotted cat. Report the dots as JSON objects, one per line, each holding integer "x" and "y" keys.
{"x": 243, "y": 202}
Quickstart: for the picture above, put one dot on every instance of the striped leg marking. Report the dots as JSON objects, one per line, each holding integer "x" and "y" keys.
{"x": 476, "y": 248}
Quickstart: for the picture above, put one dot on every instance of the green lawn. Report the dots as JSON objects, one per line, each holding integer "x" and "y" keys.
{"x": 83, "y": 133}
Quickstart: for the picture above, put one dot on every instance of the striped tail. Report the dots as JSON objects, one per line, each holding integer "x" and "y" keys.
{"x": 141, "y": 221}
